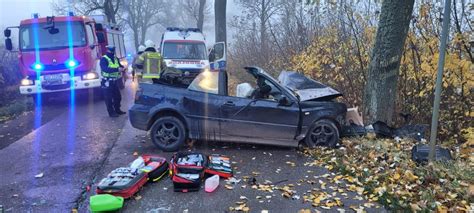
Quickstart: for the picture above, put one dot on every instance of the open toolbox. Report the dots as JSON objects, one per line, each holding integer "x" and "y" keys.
{"x": 126, "y": 181}
{"x": 188, "y": 169}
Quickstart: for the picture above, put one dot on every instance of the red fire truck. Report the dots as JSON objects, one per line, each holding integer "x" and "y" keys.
{"x": 62, "y": 53}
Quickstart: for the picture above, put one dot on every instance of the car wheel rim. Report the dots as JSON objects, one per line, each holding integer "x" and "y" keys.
{"x": 167, "y": 133}
{"x": 322, "y": 135}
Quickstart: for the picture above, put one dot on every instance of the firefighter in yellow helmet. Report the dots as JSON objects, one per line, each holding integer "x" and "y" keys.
{"x": 151, "y": 62}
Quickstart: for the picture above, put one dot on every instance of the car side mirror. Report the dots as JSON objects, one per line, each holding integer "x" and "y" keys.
{"x": 7, "y": 33}
{"x": 283, "y": 101}
{"x": 8, "y": 44}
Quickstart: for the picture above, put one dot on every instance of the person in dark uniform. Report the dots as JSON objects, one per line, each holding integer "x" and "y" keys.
{"x": 110, "y": 66}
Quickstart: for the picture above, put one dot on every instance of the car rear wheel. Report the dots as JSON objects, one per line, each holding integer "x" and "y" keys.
{"x": 322, "y": 133}
{"x": 168, "y": 133}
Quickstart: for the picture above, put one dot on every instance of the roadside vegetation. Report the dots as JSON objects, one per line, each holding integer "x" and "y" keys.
{"x": 11, "y": 102}
{"x": 381, "y": 170}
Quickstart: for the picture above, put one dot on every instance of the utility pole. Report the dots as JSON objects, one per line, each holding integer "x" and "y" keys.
{"x": 439, "y": 78}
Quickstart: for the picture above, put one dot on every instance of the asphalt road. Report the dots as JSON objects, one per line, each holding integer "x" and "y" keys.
{"x": 74, "y": 147}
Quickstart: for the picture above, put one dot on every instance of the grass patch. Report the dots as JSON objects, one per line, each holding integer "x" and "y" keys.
{"x": 381, "y": 170}
{"x": 11, "y": 110}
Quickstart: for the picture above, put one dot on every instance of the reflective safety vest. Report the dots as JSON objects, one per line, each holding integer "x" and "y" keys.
{"x": 112, "y": 65}
{"x": 151, "y": 62}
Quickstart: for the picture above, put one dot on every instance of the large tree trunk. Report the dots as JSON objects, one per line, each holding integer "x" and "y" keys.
{"x": 381, "y": 87}
{"x": 110, "y": 11}
{"x": 200, "y": 22}
{"x": 263, "y": 31}
{"x": 220, "y": 19}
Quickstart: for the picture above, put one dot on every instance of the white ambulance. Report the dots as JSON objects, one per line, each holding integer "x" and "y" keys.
{"x": 185, "y": 49}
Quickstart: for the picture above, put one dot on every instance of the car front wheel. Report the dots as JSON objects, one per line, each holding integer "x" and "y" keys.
{"x": 168, "y": 133}
{"x": 322, "y": 133}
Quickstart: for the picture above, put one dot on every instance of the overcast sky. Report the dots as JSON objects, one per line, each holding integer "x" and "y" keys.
{"x": 13, "y": 11}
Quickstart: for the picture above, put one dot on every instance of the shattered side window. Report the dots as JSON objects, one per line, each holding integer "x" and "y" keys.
{"x": 207, "y": 82}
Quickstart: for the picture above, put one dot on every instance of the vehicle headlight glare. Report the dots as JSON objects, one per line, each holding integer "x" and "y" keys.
{"x": 38, "y": 66}
{"x": 26, "y": 82}
{"x": 71, "y": 63}
{"x": 90, "y": 76}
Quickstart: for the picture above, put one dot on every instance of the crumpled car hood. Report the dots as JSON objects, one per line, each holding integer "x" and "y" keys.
{"x": 307, "y": 88}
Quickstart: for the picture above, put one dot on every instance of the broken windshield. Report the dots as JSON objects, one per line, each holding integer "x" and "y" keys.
{"x": 46, "y": 40}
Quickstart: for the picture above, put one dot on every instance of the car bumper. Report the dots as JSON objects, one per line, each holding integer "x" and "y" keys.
{"x": 138, "y": 115}
{"x": 38, "y": 87}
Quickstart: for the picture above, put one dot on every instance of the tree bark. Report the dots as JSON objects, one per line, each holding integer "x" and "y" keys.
{"x": 200, "y": 21}
{"x": 220, "y": 20}
{"x": 381, "y": 86}
{"x": 263, "y": 30}
{"x": 110, "y": 11}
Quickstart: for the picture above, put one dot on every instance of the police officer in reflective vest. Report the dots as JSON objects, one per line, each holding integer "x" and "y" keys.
{"x": 110, "y": 66}
{"x": 151, "y": 62}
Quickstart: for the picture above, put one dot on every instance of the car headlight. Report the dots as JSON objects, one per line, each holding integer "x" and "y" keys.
{"x": 90, "y": 76}
{"x": 26, "y": 82}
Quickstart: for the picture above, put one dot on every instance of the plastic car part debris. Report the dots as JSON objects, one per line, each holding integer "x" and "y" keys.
{"x": 105, "y": 202}
{"x": 354, "y": 117}
{"x": 416, "y": 131}
{"x": 419, "y": 153}
{"x": 211, "y": 183}
{"x": 353, "y": 130}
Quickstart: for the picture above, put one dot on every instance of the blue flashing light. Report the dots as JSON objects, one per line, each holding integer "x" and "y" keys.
{"x": 129, "y": 55}
{"x": 37, "y": 66}
{"x": 71, "y": 63}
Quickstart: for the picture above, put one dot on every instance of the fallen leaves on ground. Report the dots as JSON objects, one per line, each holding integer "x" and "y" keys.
{"x": 240, "y": 206}
{"x": 381, "y": 170}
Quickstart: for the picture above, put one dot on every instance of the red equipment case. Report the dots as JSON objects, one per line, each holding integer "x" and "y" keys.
{"x": 155, "y": 168}
{"x": 126, "y": 191}
{"x": 187, "y": 171}
{"x": 219, "y": 165}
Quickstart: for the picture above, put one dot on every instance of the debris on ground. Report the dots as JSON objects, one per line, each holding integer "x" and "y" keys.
{"x": 381, "y": 170}
{"x": 233, "y": 180}
{"x": 240, "y": 206}
{"x": 40, "y": 175}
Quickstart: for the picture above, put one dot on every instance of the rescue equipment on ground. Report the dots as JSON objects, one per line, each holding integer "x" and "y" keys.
{"x": 126, "y": 181}
{"x": 105, "y": 202}
{"x": 188, "y": 169}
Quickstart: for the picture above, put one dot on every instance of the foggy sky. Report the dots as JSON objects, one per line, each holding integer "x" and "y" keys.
{"x": 13, "y": 11}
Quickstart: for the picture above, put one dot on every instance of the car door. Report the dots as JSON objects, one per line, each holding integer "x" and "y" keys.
{"x": 218, "y": 57}
{"x": 202, "y": 104}
{"x": 266, "y": 120}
